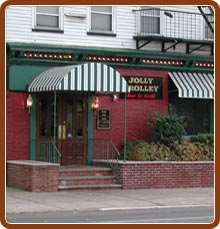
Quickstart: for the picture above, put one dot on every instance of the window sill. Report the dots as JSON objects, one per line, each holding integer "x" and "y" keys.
{"x": 47, "y": 30}
{"x": 110, "y": 34}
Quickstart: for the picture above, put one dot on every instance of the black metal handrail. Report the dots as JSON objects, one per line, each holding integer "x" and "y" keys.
{"x": 105, "y": 151}
{"x": 48, "y": 152}
{"x": 172, "y": 23}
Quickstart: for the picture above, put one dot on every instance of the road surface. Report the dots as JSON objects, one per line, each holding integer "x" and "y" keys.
{"x": 161, "y": 214}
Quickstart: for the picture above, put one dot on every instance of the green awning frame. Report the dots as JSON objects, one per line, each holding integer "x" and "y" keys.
{"x": 88, "y": 77}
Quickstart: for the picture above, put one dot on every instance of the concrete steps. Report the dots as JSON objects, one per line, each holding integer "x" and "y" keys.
{"x": 86, "y": 178}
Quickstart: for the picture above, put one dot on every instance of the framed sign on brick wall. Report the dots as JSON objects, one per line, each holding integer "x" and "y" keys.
{"x": 104, "y": 119}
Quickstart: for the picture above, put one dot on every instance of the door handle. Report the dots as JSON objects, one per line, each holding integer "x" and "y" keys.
{"x": 59, "y": 131}
{"x": 62, "y": 131}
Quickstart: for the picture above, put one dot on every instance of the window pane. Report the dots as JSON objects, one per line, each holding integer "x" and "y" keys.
{"x": 48, "y": 21}
{"x": 43, "y": 118}
{"x": 101, "y": 22}
{"x": 208, "y": 32}
{"x": 51, "y": 121}
{"x": 79, "y": 119}
{"x": 197, "y": 113}
{"x": 150, "y": 25}
{"x": 102, "y": 9}
{"x": 69, "y": 118}
{"x": 48, "y": 9}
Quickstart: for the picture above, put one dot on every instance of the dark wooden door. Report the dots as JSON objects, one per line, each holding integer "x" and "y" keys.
{"x": 73, "y": 125}
{"x": 45, "y": 127}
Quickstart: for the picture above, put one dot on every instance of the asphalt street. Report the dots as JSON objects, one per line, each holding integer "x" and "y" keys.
{"x": 200, "y": 214}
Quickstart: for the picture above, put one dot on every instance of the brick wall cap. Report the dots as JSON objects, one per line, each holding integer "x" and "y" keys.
{"x": 31, "y": 163}
{"x": 165, "y": 162}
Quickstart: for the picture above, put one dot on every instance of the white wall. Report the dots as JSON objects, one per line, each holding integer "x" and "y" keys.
{"x": 19, "y": 29}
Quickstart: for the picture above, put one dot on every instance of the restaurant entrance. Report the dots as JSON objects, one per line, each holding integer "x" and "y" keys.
{"x": 71, "y": 127}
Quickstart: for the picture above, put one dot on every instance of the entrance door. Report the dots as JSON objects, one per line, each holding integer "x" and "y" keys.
{"x": 73, "y": 125}
{"x": 45, "y": 127}
{"x": 71, "y": 128}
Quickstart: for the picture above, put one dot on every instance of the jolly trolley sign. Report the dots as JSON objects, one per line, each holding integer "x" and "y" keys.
{"x": 144, "y": 87}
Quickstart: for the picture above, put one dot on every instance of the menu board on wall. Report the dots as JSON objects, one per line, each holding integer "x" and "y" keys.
{"x": 144, "y": 87}
{"x": 104, "y": 119}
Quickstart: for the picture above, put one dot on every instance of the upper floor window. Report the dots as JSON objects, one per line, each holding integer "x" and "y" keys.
{"x": 48, "y": 18}
{"x": 207, "y": 32}
{"x": 149, "y": 20}
{"x": 102, "y": 19}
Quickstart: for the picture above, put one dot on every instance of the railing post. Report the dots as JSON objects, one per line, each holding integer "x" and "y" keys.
{"x": 125, "y": 126}
{"x": 90, "y": 147}
{"x": 49, "y": 152}
{"x": 107, "y": 150}
{"x": 54, "y": 125}
{"x": 33, "y": 141}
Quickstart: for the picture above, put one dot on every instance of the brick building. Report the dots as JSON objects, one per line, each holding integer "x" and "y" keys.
{"x": 90, "y": 84}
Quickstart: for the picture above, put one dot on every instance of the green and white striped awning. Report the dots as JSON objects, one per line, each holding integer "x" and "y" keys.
{"x": 194, "y": 85}
{"x": 89, "y": 77}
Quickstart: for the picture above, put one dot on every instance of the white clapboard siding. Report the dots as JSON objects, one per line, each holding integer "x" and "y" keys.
{"x": 126, "y": 26}
{"x": 18, "y": 23}
{"x": 75, "y": 20}
{"x": 75, "y": 29}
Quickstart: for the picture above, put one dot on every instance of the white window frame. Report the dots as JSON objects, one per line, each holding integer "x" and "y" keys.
{"x": 89, "y": 24}
{"x": 48, "y": 28}
{"x": 157, "y": 16}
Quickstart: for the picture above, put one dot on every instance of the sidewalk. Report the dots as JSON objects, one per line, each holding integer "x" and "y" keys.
{"x": 18, "y": 201}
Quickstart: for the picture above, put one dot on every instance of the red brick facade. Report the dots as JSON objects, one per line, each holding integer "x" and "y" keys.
{"x": 33, "y": 176}
{"x": 17, "y": 127}
{"x": 18, "y": 120}
{"x": 134, "y": 175}
{"x": 136, "y": 111}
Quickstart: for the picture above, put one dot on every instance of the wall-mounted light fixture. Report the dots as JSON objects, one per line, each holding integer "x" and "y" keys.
{"x": 168, "y": 14}
{"x": 114, "y": 98}
{"x": 29, "y": 102}
{"x": 95, "y": 103}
